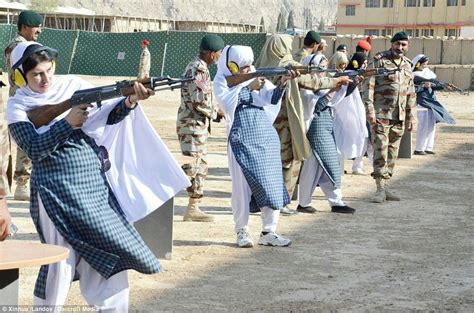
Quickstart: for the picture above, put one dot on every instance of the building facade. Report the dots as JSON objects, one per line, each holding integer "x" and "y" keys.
{"x": 416, "y": 17}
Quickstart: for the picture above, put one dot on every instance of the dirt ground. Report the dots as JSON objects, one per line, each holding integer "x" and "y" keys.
{"x": 413, "y": 255}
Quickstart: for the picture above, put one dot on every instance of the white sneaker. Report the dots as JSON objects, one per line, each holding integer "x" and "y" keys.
{"x": 243, "y": 239}
{"x": 274, "y": 240}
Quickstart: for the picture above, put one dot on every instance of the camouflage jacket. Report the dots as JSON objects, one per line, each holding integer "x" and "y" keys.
{"x": 145, "y": 63}
{"x": 301, "y": 54}
{"x": 8, "y": 52}
{"x": 196, "y": 107}
{"x": 391, "y": 97}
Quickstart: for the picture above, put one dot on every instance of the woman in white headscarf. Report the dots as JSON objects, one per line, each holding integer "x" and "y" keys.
{"x": 322, "y": 166}
{"x": 253, "y": 146}
{"x": 87, "y": 174}
{"x": 429, "y": 110}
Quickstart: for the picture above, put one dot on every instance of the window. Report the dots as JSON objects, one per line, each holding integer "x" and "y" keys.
{"x": 428, "y": 3}
{"x": 388, "y": 3}
{"x": 452, "y": 3}
{"x": 387, "y": 32}
{"x": 371, "y": 32}
{"x": 412, "y": 3}
{"x": 450, "y": 32}
{"x": 463, "y": 2}
{"x": 372, "y": 3}
{"x": 409, "y": 32}
{"x": 350, "y": 10}
{"x": 427, "y": 32}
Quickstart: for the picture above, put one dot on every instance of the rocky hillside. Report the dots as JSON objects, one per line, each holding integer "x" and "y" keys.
{"x": 307, "y": 13}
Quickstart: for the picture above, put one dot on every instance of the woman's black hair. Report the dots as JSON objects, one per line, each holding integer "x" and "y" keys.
{"x": 36, "y": 58}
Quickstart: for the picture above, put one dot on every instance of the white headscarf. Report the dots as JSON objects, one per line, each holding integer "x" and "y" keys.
{"x": 227, "y": 97}
{"x": 425, "y": 73}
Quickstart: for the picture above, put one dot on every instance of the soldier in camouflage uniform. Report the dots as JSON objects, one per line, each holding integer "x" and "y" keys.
{"x": 194, "y": 122}
{"x": 29, "y": 28}
{"x": 5, "y": 218}
{"x": 289, "y": 123}
{"x": 390, "y": 102}
{"x": 145, "y": 61}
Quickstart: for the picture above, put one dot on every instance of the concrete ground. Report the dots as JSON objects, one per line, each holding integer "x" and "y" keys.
{"x": 413, "y": 255}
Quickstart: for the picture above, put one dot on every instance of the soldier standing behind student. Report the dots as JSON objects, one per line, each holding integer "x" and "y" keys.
{"x": 390, "y": 102}
{"x": 145, "y": 61}
{"x": 194, "y": 122}
{"x": 29, "y": 28}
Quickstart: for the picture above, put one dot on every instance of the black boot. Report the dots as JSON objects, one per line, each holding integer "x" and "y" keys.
{"x": 342, "y": 209}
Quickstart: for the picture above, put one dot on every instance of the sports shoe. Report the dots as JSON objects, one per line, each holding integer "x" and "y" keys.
{"x": 274, "y": 240}
{"x": 243, "y": 239}
{"x": 419, "y": 153}
{"x": 305, "y": 209}
{"x": 342, "y": 209}
{"x": 287, "y": 211}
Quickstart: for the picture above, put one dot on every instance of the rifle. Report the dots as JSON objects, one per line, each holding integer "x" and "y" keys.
{"x": 43, "y": 115}
{"x": 419, "y": 83}
{"x": 236, "y": 79}
{"x": 367, "y": 72}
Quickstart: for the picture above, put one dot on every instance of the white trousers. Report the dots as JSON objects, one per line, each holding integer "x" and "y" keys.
{"x": 105, "y": 295}
{"x": 241, "y": 195}
{"x": 313, "y": 174}
{"x": 358, "y": 163}
{"x": 425, "y": 131}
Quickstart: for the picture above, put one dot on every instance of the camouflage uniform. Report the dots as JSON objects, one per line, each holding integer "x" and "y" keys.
{"x": 23, "y": 163}
{"x": 145, "y": 63}
{"x": 3, "y": 149}
{"x": 291, "y": 167}
{"x": 392, "y": 98}
{"x": 194, "y": 123}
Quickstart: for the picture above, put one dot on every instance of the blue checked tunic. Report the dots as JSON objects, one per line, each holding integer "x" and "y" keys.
{"x": 321, "y": 139}
{"x": 67, "y": 174}
{"x": 256, "y": 147}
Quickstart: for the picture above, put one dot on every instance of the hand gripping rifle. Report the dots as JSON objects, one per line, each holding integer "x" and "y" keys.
{"x": 419, "y": 82}
{"x": 44, "y": 114}
{"x": 236, "y": 79}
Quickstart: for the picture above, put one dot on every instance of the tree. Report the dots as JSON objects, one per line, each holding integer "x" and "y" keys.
{"x": 262, "y": 25}
{"x": 44, "y": 6}
{"x": 308, "y": 19}
{"x": 322, "y": 25}
{"x": 291, "y": 20}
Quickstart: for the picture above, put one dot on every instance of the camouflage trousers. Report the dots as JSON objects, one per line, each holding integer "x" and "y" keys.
{"x": 22, "y": 167}
{"x": 196, "y": 147}
{"x": 4, "y": 153}
{"x": 386, "y": 137}
{"x": 290, "y": 175}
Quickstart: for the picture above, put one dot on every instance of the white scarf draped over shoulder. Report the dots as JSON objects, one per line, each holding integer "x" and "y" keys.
{"x": 144, "y": 174}
{"x": 228, "y": 97}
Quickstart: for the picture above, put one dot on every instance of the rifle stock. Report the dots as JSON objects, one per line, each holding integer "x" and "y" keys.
{"x": 44, "y": 114}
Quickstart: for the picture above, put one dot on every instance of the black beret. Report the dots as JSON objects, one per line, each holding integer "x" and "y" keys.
{"x": 211, "y": 42}
{"x": 312, "y": 37}
{"x": 30, "y": 18}
{"x": 399, "y": 36}
{"x": 341, "y": 47}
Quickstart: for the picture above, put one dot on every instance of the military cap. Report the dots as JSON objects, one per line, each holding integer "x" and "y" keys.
{"x": 341, "y": 47}
{"x": 399, "y": 36}
{"x": 29, "y": 18}
{"x": 312, "y": 37}
{"x": 211, "y": 42}
{"x": 146, "y": 42}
